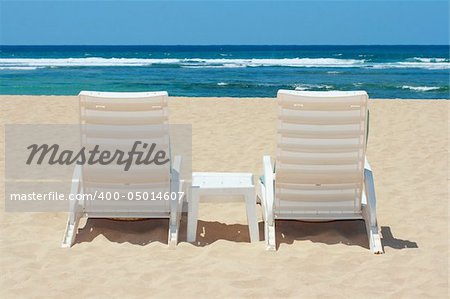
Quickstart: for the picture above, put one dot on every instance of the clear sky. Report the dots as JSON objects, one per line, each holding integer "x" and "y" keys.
{"x": 219, "y": 22}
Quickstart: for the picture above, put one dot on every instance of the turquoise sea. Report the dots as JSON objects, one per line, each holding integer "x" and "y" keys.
{"x": 239, "y": 71}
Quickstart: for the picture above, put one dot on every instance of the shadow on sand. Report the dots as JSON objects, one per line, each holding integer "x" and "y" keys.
{"x": 138, "y": 232}
{"x": 143, "y": 232}
{"x": 389, "y": 240}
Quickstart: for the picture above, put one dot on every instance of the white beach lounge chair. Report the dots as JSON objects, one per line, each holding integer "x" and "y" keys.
{"x": 115, "y": 120}
{"x": 321, "y": 172}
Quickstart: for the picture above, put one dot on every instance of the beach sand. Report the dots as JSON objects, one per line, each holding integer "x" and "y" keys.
{"x": 408, "y": 151}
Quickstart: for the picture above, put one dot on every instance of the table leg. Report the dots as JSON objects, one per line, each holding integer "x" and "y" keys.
{"x": 192, "y": 215}
{"x": 252, "y": 220}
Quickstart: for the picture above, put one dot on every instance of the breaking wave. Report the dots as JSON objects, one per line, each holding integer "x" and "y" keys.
{"x": 420, "y": 88}
{"x": 29, "y": 63}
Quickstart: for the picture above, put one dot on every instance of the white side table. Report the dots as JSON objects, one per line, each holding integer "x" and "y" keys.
{"x": 210, "y": 184}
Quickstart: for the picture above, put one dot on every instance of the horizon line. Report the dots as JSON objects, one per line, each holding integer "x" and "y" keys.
{"x": 211, "y": 45}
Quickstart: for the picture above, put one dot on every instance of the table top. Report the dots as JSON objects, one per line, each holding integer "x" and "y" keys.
{"x": 217, "y": 180}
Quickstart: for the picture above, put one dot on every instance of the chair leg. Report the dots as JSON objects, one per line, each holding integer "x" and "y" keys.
{"x": 174, "y": 226}
{"x": 372, "y": 230}
{"x": 269, "y": 230}
{"x": 269, "y": 234}
{"x": 75, "y": 210}
{"x": 369, "y": 204}
{"x": 261, "y": 191}
{"x": 173, "y": 234}
{"x": 192, "y": 216}
{"x": 71, "y": 230}
{"x": 374, "y": 240}
{"x": 252, "y": 219}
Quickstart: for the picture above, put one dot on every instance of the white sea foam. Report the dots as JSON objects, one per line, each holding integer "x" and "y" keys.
{"x": 420, "y": 88}
{"x": 88, "y": 61}
{"x": 409, "y": 65}
{"x": 433, "y": 63}
{"x": 222, "y": 84}
{"x": 19, "y": 68}
{"x": 433, "y": 59}
{"x": 307, "y": 62}
{"x": 226, "y": 65}
{"x": 258, "y": 62}
{"x": 303, "y": 87}
{"x": 424, "y": 63}
{"x": 186, "y": 62}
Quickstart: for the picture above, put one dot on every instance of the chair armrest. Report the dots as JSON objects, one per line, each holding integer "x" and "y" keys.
{"x": 369, "y": 188}
{"x": 176, "y": 165}
{"x": 75, "y": 189}
{"x": 175, "y": 186}
{"x": 76, "y": 180}
{"x": 269, "y": 188}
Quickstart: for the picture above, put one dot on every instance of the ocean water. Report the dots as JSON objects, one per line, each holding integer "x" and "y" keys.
{"x": 238, "y": 71}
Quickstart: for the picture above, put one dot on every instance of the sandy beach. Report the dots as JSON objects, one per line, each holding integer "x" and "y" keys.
{"x": 407, "y": 149}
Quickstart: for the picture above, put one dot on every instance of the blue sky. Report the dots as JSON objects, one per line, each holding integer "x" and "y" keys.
{"x": 219, "y": 22}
